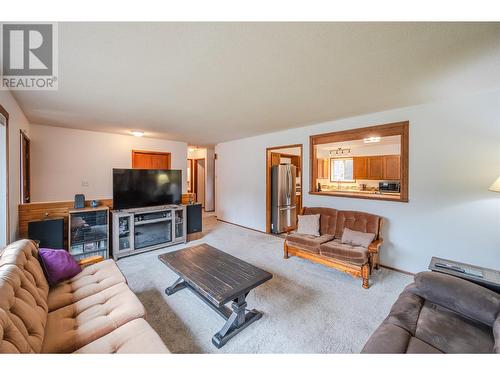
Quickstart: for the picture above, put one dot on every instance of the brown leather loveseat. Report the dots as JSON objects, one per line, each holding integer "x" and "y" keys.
{"x": 328, "y": 249}
{"x": 94, "y": 312}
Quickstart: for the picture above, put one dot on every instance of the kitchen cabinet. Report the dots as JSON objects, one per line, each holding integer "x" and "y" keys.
{"x": 375, "y": 168}
{"x": 392, "y": 167}
{"x": 323, "y": 168}
{"x": 386, "y": 167}
{"x": 360, "y": 168}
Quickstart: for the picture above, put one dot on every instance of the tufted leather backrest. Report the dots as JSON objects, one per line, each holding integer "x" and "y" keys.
{"x": 24, "y": 254}
{"x": 359, "y": 221}
{"x": 328, "y": 218}
{"x": 334, "y": 221}
{"x": 23, "y": 299}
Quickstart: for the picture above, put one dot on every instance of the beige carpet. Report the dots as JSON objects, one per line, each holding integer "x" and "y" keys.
{"x": 308, "y": 308}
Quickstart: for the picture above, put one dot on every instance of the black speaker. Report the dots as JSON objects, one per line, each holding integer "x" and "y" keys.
{"x": 79, "y": 201}
{"x": 194, "y": 223}
{"x": 49, "y": 233}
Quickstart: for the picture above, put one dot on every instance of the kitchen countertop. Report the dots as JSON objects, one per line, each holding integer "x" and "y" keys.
{"x": 364, "y": 193}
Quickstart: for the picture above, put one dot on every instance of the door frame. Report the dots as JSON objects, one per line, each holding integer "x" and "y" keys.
{"x": 25, "y": 170}
{"x": 168, "y": 154}
{"x": 5, "y": 114}
{"x": 191, "y": 174}
{"x": 195, "y": 179}
{"x": 269, "y": 150}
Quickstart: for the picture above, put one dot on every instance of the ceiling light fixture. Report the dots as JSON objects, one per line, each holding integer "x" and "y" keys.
{"x": 137, "y": 133}
{"x": 371, "y": 140}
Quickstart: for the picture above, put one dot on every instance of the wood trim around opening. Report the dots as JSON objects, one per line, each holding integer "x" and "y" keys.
{"x": 268, "y": 179}
{"x": 5, "y": 114}
{"x": 385, "y": 130}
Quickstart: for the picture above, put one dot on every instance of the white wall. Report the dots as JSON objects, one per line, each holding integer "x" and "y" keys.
{"x": 17, "y": 121}
{"x": 454, "y": 158}
{"x": 61, "y": 159}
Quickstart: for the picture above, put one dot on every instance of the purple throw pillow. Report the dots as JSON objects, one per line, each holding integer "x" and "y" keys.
{"x": 58, "y": 265}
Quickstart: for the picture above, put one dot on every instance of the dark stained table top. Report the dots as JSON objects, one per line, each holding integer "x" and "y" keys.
{"x": 216, "y": 275}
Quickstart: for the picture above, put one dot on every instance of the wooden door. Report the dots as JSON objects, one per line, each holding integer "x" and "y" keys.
{"x": 375, "y": 168}
{"x": 359, "y": 166}
{"x": 25, "y": 168}
{"x": 150, "y": 160}
{"x": 199, "y": 181}
{"x": 392, "y": 167}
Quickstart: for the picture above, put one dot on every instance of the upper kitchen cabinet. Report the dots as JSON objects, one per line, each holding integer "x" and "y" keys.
{"x": 323, "y": 167}
{"x": 370, "y": 163}
{"x": 392, "y": 167}
{"x": 375, "y": 168}
{"x": 386, "y": 167}
{"x": 360, "y": 168}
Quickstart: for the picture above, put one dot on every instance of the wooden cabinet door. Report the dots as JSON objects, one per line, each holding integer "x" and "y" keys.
{"x": 150, "y": 160}
{"x": 375, "y": 168}
{"x": 359, "y": 165}
{"x": 392, "y": 167}
{"x": 320, "y": 168}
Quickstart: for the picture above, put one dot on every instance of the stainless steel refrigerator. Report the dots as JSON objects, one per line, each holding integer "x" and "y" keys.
{"x": 283, "y": 197}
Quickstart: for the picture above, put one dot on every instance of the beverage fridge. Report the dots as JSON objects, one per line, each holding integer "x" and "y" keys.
{"x": 283, "y": 197}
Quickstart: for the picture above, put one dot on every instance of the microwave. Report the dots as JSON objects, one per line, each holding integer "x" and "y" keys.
{"x": 389, "y": 187}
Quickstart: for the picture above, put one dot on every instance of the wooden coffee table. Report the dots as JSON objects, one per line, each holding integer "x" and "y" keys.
{"x": 217, "y": 278}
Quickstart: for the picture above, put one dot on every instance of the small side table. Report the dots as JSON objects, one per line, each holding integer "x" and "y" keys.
{"x": 485, "y": 277}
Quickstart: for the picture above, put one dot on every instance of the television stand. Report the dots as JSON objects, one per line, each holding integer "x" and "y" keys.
{"x": 138, "y": 230}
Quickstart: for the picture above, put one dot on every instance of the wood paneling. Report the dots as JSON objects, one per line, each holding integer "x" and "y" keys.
{"x": 150, "y": 159}
{"x": 43, "y": 210}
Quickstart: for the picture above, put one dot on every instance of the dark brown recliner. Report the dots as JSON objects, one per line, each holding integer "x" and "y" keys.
{"x": 440, "y": 313}
{"x": 327, "y": 249}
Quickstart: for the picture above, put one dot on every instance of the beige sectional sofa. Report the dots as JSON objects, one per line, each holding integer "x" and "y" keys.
{"x": 94, "y": 312}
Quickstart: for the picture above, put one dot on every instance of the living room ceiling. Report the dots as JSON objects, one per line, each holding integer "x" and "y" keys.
{"x": 205, "y": 83}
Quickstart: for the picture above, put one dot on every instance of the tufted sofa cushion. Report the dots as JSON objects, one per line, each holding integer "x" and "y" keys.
{"x": 134, "y": 337}
{"x": 24, "y": 255}
{"x": 344, "y": 252}
{"x": 23, "y": 308}
{"x": 73, "y": 326}
{"x": 91, "y": 280}
{"x": 308, "y": 242}
{"x": 327, "y": 219}
{"x": 358, "y": 221}
{"x": 94, "y": 304}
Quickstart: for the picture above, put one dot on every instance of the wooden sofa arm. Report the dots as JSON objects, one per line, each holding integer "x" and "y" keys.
{"x": 90, "y": 260}
{"x": 289, "y": 230}
{"x": 374, "y": 247}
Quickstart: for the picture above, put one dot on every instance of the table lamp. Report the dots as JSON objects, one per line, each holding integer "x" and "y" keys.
{"x": 495, "y": 186}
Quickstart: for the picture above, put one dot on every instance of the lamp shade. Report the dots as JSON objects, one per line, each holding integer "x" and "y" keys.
{"x": 495, "y": 186}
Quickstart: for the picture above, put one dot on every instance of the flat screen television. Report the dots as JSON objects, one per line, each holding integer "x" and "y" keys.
{"x": 133, "y": 188}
